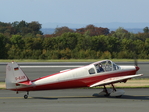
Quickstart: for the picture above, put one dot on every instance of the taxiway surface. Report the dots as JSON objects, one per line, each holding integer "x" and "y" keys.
{"x": 71, "y": 100}
{"x": 74, "y": 100}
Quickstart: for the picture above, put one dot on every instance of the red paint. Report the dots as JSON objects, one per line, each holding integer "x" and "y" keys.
{"x": 137, "y": 68}
{"x": 20, "y": 78}
{"x": 28, "y": 82}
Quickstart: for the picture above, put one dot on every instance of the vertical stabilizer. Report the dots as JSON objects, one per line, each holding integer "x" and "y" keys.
{"x": 14, "y": 76}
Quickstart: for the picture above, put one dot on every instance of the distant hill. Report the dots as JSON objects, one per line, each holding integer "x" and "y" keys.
{"x": 132, "y": 30}
{"x": 49, "y": 28}
{"x": 105, "y": 25}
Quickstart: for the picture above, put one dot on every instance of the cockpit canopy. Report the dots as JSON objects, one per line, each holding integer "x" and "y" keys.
{"x": 105, "y": 66}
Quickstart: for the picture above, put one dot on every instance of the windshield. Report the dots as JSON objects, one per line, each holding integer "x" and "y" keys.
{"x": 115, "y": 67}
{"x": 105, "y": 66}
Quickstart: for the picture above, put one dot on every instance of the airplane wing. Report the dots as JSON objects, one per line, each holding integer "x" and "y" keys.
{"x": 114, "y": 80}
{"x": 65, "y": 70}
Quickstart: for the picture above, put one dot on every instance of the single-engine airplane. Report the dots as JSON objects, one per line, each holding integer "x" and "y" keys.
{"x": 100, "y": 73}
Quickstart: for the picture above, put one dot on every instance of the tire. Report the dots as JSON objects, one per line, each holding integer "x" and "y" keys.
{"x": 107, "y": 95}
{"x": 25, "y": 96}
{"x": 119, "y": 96}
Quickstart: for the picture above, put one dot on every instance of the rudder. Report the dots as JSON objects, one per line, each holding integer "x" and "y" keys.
{"x": 15, "y": 76}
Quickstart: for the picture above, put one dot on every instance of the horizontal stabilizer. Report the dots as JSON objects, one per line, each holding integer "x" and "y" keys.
{"x": 26, "y": 83}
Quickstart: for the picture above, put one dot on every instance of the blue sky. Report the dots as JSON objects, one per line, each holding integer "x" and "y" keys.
{"x": 75, "y": 11}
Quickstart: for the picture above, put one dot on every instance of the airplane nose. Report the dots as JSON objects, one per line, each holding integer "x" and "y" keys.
{"x": 137, "y": 68}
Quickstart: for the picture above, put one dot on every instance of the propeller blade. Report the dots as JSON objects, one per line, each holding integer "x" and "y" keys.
{"x": 135, "y": 61}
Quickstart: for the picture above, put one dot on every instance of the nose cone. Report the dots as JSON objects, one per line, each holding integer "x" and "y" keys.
{"x": 137, "y": 68}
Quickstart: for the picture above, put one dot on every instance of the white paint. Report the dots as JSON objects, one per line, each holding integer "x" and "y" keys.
{"x": 114, "y": 79}
{"x": 73, "y": 74}
{"x": 127, "y": 67}
{"x": 13, "y": 75}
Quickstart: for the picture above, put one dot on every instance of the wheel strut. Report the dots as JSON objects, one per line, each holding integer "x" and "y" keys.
{"x": 113, "y": 87}
{"x": 105, "y": 89}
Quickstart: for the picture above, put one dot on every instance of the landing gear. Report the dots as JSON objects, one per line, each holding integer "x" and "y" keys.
{"x": 106, "y": 91}
{"x": 111, "y": 92}
{"x": 116, "y": 93}
{"x": 26, "y": 95}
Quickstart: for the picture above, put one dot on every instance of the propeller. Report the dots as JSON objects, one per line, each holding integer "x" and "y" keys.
{"x": 136, "y": 62}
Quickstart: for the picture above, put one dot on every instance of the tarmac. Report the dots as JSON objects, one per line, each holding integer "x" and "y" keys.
{"x": 72, "y": 100}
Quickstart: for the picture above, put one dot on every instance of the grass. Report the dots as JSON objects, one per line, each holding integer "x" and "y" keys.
{"x": 72, "y": 60}
{"x": 2, "y": 85}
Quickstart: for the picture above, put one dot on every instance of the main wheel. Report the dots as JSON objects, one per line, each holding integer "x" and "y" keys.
{"x": 25, "y": 96}
{"x": 107, "y": 95}
{"x": 119, "y": 96}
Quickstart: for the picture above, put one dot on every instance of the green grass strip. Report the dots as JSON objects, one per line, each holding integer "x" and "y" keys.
{"x": 72, "y": 60}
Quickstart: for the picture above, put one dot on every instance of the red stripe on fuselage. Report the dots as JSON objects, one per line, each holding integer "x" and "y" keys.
{"x": 75, "y": 83}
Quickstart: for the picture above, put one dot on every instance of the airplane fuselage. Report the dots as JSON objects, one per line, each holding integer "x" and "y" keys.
{"x": 75, "y": 78}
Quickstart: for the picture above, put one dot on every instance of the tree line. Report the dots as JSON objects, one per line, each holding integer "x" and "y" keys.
{"x": 22, "y": 40}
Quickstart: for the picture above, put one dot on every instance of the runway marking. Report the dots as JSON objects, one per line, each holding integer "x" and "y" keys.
{"x": 11, "y": 97}
{"x": 48, "y": 97}
{"x": 46, "y": 66}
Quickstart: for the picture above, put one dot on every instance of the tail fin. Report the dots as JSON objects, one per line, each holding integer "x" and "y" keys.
{"x": 15, "y": 76}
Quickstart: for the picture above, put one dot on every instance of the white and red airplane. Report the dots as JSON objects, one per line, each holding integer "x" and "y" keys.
{"x": 100, "y": 73}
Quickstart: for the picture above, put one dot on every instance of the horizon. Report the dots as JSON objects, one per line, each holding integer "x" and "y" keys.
{"x": 76, "y": 12}
{"x": 105, "y": 25}
{"x": 131, "y": 30}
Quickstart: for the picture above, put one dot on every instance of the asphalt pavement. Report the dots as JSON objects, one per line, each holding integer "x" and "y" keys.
{"x": 74, "y": 100}
{"x": 71, "y": 100}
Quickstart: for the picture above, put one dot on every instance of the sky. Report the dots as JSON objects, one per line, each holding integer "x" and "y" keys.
{"x": 75, "y": 11}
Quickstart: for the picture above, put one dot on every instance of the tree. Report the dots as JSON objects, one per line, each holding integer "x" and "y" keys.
{"x": 5, "y": 28}
{"x": 3, "y": 50}
{"x": 17, "y": 41}
{"x": 93, "y": 31}
{"x": 21, "y": 28}
{"x": 70, "y": 40}
{"x": 49, "y": 43}
{"x": 15, "y": 28}
{"x": 59, "y": 31}
{"x": 114, "y": 44}
{"x": 146, "y": 30}
{"x": 121, "y": 33}
{"x": 28, "y": 43}
{"x": 100, "y": 43}
{"x": 37, "y": 43}
{"x": 142, "y": 36}
{"x": 35, "y": 27}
